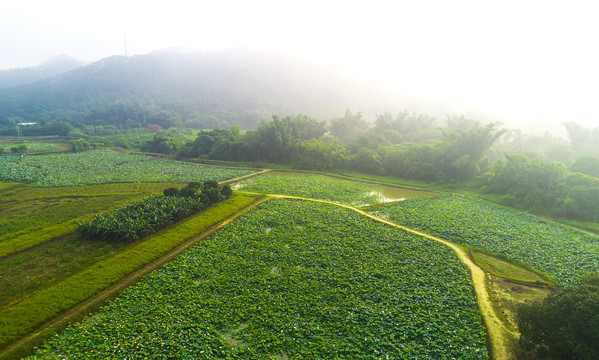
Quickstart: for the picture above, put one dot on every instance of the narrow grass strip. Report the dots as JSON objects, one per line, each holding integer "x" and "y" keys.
{"x": 37, "y": 237}
{"x": 22, "y": 318}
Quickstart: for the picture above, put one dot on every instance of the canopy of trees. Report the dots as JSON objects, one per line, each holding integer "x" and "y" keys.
{"x": 565, "y": 325}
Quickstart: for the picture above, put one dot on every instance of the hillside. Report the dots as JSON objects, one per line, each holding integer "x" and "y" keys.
{"x": 48, "y": 69}
{"x": 210, "y": 89}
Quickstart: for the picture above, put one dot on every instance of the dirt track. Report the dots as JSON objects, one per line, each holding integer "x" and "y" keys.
{"x": 495, "y": 328}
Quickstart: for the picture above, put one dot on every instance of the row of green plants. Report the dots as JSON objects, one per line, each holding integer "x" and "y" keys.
{"x": 292, "y": 279}
{"x": 145, "y": 217}
{"x": 563, "y": 253}
{"x": 105, "y": 166}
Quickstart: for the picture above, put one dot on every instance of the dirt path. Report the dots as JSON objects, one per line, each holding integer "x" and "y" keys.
{"x": 234, "y": 180}
{"x": 496, "y": 330}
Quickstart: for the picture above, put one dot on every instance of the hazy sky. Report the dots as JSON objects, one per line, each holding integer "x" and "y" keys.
{"x": 522, "y": 60}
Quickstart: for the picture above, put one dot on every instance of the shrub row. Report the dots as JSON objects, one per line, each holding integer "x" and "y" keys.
{"x": 143, "y": 218}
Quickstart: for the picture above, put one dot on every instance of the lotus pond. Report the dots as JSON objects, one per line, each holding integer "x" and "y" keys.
{"x": 563, "y": 253}
{"x": 105, "y": 166}
{"x": 292, "y": 279}
{"x": 327, "y": 188}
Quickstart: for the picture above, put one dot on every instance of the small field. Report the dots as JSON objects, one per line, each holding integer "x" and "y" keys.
{"x": 327, "y": 188}
{"x": 105, "y": 166}
{"x": 562, "y": 253}
{"x": 292, "y": 279}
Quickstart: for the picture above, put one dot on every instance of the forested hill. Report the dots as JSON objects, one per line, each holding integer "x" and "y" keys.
{"x": 204, "y": 90}
{"x": 48, "y": 69}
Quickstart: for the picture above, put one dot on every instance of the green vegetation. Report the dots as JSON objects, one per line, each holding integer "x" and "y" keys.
{"x": 27, "y": 271}
{"x": 543, "y": 187}
{"x": 565, "y": 325}
{"x": 564, "y": 254}
{"x": 30, "y": 216}
{"x": 311, "y": 186}
{"x": 22, "y": 316}
{"x": 143, "y": 218}
{"x": 79, "y": 145}
{"x": 30, "y": 146}
{"x": 102, "y": 166}
{"x": 292, "y": 279}
{"x": 497, "y": 266}
{"x": 140, "y": 219}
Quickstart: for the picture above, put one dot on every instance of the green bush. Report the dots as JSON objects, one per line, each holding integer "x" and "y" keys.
{"x": 565, "y": 325}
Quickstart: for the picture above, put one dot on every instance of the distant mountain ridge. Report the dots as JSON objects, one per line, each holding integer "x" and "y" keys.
{"x": 47, "y": 69}
{"x": 238, "y": 87}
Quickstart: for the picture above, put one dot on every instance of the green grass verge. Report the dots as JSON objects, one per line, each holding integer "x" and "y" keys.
{"x": 589, "y": 226}
{"x": 28, "y": 271}
{"x": 503, "y": 268}
{"x": 36, "y": 237}
{"x": 23, "y": 317}
{"x": 30, "y": 216}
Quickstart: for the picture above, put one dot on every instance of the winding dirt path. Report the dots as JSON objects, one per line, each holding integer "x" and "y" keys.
{"x": 496, "y": 330}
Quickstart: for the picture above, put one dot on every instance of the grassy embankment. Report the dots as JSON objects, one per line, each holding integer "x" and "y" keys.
{"x": 56, "y": 275}
{"x": 30, "y": 216}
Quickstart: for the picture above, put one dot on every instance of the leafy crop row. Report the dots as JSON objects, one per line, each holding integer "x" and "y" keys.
{"x": 563, "y": 253}
{"x": 140, "y": 219}
{"x": 312, "y": 186}
{"x": 143, "y": 218}
{"x": 292, "y": 279}
{"x": 104, "y": 166}
{"x": 33, "y": 146}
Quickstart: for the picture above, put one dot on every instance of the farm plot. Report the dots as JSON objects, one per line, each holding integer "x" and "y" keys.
{"x": 104, "y": 166}
{"x": 34, "y": 146}
{"x": 292, "y": 279}
{"x": 30, "y": 216}
{"x": 562, "y": 253}
{"x": 312, "y": 186}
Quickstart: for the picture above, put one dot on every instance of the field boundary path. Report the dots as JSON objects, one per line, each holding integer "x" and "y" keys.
{"x": 81, "y": 310}
{"x": 495, "y": 328}
{"x": 244, "y": 177}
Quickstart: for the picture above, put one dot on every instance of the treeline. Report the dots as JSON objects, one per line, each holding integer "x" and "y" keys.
{"x": 410, "y": 146}
{"x": 143, "y": 218}
{"x": 407, "y": 146}
{"x": 543, "y": 187}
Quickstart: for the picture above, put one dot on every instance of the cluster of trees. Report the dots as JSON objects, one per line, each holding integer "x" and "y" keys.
{"x": 565, "y": 325}
{"x": 143, "y": 218}
{"x": 79, "y": 145}
{"x": 544, "y": 187}
{"x": 409, "y": 146}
